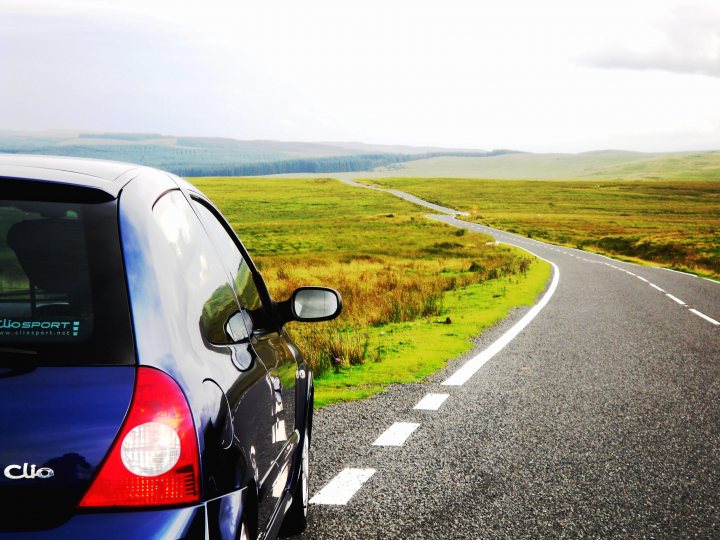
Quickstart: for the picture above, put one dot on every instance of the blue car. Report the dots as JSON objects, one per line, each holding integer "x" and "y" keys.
{"x": 148, "y": 387}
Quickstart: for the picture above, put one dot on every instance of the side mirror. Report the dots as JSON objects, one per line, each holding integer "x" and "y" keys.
{"x": 311, "y": 304}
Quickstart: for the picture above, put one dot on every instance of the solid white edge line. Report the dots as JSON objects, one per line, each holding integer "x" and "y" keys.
{"x": 708, "y": 319}
{"x": 431, "y": 402}
{"x": 674, "y": 298}
{"x": 396, "y": 435}
{"x": 656, "y": 287}
{"x": 342, "y": 488}
{"x": 679, "y": 271}
{"x": 711, "y": 280}
{"x": 470, "y": 367}
{"x": 642, "y": 279}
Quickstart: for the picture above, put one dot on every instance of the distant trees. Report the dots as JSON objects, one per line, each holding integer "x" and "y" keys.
{"x": 352, "y": 163}
{"x": 213, "y": 157}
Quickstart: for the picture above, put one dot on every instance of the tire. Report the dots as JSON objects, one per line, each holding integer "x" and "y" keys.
{"x": 296, "y": 518}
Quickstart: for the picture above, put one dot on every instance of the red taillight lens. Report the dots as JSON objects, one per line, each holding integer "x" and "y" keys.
{"x": 154, "y": 460}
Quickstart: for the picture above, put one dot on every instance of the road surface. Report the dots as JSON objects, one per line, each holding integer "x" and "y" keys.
{"x": 599, "y": 418}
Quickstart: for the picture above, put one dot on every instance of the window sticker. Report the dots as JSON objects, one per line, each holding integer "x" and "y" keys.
{"x": 17, "y": 329}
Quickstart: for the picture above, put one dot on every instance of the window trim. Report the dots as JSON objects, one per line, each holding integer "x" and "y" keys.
{"x": 268, "y": 304}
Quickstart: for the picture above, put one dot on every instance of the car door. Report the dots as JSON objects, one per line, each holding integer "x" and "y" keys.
{"x": 214, "y": 336}
{"x": 270, "y": 347}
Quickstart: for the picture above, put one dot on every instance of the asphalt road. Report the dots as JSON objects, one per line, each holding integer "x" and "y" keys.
{"x": 600, "y": 419}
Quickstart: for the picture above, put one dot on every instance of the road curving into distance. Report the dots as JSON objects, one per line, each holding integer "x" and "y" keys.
{"x": 599, "y": 417}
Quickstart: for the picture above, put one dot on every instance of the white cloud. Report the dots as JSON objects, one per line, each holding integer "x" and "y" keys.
{"x": 688, "y": 42}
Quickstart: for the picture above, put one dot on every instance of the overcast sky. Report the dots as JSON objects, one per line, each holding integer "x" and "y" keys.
{"x": 531, "y": 75}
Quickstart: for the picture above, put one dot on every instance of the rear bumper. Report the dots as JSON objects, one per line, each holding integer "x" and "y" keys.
{"x": 217, "y": 519}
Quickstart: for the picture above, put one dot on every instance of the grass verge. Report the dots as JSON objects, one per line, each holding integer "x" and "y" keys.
{"x": 415, "y": 349}
{"x": 399, "y": 273}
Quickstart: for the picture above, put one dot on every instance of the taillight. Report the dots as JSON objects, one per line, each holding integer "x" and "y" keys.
{"x": 154, "y": 460}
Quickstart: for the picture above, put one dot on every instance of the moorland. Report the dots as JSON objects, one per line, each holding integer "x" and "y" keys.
{"x": 415, "y": 291}
{"x": 672, "y": 223}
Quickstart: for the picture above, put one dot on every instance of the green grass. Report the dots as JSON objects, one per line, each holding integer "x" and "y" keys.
{"x": 413, "y": 350}
{"x": 398, "y": 273}
{"x": 670, "y": 223}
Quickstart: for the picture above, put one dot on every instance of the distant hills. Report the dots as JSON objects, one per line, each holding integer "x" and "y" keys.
{"x": 204, "y": 156}
{"x": 600, "y": 165}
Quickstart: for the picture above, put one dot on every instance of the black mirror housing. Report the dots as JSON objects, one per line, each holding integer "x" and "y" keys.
{"x": 311, "y": 304}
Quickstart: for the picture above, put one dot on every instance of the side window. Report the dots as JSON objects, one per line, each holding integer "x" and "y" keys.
{"x": 210, "y": 301}
{"x": 245, "y": 288}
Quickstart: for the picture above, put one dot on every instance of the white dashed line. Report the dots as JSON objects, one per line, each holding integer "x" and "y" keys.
{"x": 656, "y": 287}
{"x": 342, "y": 488}
{"x": 709, "y": 319}
{"x": 470, "y": 367}
{"x": 431, "y": 402}
{"x": 396, "y": 434}
{"x": 673, "y": 298}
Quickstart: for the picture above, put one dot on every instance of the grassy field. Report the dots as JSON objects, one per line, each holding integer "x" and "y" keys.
{"x": 671, "y": 223}
{"x": 411, "y": 350}
{"x": 415, "y": 291}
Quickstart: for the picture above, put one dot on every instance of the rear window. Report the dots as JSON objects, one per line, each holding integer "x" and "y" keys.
{"x": 63, "y": 299}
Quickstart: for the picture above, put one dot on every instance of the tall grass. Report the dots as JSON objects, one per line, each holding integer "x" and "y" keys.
{"x": 376, "y": 291}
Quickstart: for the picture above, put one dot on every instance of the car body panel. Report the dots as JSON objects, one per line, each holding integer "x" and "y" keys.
{"x": 66, "y": 421}
{"x": 181, "y": 523}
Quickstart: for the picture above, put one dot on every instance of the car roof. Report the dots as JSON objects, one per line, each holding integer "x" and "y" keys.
{"x": 108, "y": 176}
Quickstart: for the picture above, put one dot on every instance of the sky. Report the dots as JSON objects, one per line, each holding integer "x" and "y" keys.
{"x": 550, "y": 76}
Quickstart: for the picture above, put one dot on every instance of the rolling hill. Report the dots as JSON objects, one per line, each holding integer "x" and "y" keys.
{"x": 601, "y": 165}
{"x": 205, "y": 156}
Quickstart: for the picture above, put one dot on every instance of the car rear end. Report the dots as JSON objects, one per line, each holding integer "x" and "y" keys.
{"x": 92, "y": 445}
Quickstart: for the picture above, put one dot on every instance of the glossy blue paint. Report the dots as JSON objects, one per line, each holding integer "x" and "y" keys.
{"x": 64, "y": 418}
{"x": 186, "y": 523}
